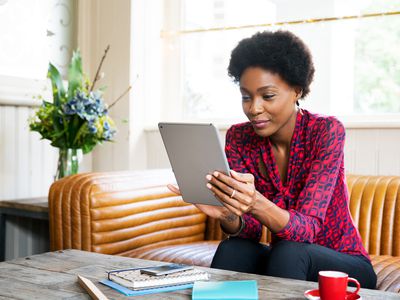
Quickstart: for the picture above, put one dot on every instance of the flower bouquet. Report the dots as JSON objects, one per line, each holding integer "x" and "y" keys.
{"x": 77, "y": 119}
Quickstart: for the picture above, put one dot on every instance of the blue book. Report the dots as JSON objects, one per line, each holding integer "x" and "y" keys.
{"x": 129, "y": 292}
{"x": 235, "y": 290}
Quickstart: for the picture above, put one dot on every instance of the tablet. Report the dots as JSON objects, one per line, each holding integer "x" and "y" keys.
{"x": 165, "y": 269}
{"x": 194, "y": 150}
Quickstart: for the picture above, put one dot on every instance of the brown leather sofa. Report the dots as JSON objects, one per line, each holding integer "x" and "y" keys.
{"x": 133, "y": 214}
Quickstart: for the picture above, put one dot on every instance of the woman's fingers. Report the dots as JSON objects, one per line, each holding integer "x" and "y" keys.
{"x": 174, "y": 189}
{"x": 221, "y": 197}
{"x": 243, "y": 177}
{"x": 228, "y": 190}
{"x": 237, "y": 207}
{"x": 239, "y": 181}
{"x": 233, "y": 188}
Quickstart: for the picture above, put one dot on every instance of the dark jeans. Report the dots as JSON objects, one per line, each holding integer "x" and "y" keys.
{"x": 290, "y": 260}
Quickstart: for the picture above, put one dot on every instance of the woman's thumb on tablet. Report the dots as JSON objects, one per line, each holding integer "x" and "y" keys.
{"x": 243, "y": 177}
{"x": 236, "y": 175}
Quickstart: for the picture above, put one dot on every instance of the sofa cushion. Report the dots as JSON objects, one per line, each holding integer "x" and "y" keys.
{"x": 197, "y": 253}
{"x": 387, "y": 268}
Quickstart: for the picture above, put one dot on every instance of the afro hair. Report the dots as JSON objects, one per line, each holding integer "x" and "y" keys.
{"x": 280, "y": 52}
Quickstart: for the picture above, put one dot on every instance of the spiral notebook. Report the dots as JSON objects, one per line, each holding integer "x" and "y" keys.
{"x": 133, "y": 279}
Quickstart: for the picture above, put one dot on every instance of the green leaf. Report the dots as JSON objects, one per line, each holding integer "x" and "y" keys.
{"x": 75, "y": 75}
{"x": 80, "y": 133}
{"x": 56, "y": 84}
{"x": 87, "y": 148}
{"x": 58, "y": 127}
{"x": 73, "y": 128}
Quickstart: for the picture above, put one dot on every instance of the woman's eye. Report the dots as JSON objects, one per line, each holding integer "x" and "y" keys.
{"x": 246, "y": 98}
{"x": 268, "y": 96}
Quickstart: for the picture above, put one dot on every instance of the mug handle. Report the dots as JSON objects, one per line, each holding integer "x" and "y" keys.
{"x": 357, "y": 284}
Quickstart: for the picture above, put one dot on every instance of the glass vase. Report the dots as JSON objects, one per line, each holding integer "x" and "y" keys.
{"x": 68, "y": 162}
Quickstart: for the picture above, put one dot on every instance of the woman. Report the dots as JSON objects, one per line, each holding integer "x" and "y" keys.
{"x": 287, "y": 173}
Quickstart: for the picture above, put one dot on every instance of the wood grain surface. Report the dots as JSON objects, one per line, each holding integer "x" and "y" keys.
{"x": 38, "y": 204}
{"x": 53, "y": 275}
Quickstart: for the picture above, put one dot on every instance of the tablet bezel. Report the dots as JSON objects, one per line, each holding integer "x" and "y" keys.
{"x": 194, "y": 150}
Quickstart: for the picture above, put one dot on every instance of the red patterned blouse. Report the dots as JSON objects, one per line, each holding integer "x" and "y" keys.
{"x": 315, "y": 193}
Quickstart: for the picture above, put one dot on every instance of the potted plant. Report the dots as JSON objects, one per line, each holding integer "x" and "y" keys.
{"x": 77, "y": 119}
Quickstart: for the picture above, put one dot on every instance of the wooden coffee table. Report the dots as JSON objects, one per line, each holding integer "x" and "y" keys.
{"x": 53, "y": 275}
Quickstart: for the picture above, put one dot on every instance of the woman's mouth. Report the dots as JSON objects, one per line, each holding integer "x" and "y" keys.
{"x": 260, "y": 124}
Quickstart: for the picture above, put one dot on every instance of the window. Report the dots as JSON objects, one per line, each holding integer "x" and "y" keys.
{"x": 357, "y": 62}
{"x": 23, "y": 27}
{"x": 32, "y": 33}
{"x": 377, "y": 64}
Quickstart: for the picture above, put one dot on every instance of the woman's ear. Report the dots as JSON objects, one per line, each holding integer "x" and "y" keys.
{"x": 299, "y": 92}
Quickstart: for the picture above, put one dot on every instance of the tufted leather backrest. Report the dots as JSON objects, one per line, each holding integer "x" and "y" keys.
{"x": 117, "y": 212}
{"x": 375, "y": 208}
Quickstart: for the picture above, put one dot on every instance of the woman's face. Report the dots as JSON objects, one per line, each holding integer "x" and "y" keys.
{"x": 268, "y": 101}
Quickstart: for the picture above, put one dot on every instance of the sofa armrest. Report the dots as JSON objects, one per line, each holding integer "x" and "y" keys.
{"x": 387, "y": 269}
{"x": 117, "y": 212}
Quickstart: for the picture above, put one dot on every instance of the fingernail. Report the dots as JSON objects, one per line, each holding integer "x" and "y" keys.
{"x": 208, "y": 177}
{"x": 209, "y": 186}
{"x": 215, "y": 174}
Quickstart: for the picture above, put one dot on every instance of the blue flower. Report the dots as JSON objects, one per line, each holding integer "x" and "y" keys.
{"x": 92, "y": 127}
{"x": 76, "y": 105}
{"x": 87, "y": 106}
{"x": 106, "y": 125}
{"x": 108, "y": 134}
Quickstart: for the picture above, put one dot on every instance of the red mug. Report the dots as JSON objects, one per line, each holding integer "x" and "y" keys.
{"x": 333, "y": 286}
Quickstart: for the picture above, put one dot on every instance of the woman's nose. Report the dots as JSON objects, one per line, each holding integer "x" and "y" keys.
{"x": 256, "y": 107}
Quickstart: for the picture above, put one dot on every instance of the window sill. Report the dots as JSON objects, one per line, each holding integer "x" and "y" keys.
{"x": 371, "y": 121}
{"x": 372, "y": 124}
{"x": 16, "y": 91}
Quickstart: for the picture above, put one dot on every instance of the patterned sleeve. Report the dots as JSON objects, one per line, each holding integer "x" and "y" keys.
{"x": 252, "y": 227}
{"x": 306, "y": 220}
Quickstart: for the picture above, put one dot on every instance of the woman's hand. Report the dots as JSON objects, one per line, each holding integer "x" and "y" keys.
{"x": 237, "y": 193}
{"x": 216, "y": 212}
{"x": 229, "y": 221}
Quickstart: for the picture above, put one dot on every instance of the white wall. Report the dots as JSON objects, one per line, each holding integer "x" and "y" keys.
{"x": 102, "y": 23}
{"x": 26, "y": 163}
{"x": 373, "y": 151}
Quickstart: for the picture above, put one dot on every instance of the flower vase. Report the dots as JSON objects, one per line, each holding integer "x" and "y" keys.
{"x": 68, "y": 162}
